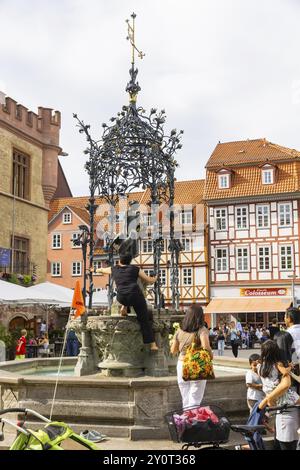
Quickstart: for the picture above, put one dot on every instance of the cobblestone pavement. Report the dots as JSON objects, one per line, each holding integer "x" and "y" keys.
{"x": 114, "y": 444}
{"x": 242, "y": 353}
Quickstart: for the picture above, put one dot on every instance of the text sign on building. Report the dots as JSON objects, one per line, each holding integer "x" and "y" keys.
{"x": 260, "y": 292}
{"x": 4, "y": 257}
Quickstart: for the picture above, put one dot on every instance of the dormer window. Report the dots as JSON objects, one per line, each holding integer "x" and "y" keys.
{"x": 268, "y": 174}
{"x": 224, "y": 179}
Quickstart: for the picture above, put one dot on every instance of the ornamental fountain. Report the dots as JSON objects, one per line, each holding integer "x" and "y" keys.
{"x": 119, "y": 388}
{"x": 133, "y": 153}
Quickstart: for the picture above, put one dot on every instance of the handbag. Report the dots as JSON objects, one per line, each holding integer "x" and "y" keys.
{"x": 197, "y": 364}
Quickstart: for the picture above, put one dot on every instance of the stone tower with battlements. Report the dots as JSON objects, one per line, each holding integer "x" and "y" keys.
{"x": 42, "y": 130}
{"x": 29, "y": 150}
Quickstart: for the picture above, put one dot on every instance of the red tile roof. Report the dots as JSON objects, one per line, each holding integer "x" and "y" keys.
{"x": 186, "y": 192}
{"x": 245, "y": 158}
{"x": 247, "y": 181}
{"x": 245, "y": 152}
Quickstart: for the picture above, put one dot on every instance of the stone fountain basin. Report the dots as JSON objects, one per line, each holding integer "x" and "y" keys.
{"x": 119, "y": 407}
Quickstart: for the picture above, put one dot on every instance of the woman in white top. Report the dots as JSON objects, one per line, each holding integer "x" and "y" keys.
{"x": 191, "y": 391}
{"x": 44, "y": 341}
{"x": 277, "y": 387}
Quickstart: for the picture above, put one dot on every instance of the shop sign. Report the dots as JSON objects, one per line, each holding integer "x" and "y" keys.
{"x": 4, "y": 257}
{"x": 264, "y": 292}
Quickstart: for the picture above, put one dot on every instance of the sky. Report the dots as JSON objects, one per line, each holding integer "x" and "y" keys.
{"x": 223, "y": 70}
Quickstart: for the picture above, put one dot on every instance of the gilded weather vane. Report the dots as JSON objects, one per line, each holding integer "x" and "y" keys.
{"x": 131, "y": 38}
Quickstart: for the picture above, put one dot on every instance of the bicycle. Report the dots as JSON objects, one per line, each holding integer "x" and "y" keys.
{"x": 207, "y": 426}
{"x": 51, "y": 437}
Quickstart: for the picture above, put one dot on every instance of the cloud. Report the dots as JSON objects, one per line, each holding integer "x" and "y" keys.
{"x": 223, "y": 70}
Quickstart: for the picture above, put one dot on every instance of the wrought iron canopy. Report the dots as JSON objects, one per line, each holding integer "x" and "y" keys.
{"x": 133, "y": 153}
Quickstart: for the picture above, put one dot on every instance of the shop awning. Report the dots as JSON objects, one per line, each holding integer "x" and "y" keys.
{"x": 251, "y": 305}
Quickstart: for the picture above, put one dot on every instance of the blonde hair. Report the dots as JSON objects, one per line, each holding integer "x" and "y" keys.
{"x": 23, "y": 332}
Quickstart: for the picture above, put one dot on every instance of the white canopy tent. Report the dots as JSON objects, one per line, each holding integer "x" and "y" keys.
{"x": 51, "y": 293}
{"x": 10, "y": 292}
{"x": 45, "y": 293}
{"x": 64, "y": 295}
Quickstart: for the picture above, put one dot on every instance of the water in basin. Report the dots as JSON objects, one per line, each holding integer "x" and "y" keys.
{"x": 48, "y": 371}
{"x": 220, "y": 371}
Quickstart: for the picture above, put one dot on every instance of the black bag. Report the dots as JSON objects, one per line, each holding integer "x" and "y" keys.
{"x": 206, "y": 432}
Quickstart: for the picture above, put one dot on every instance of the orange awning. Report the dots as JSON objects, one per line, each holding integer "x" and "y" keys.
{"x": 251, "y": 305}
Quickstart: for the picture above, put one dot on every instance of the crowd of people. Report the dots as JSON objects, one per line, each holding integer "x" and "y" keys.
{"x": 268, "y": 381}
{"x": 238, "y": 336}
{"x": 39, "y": 345}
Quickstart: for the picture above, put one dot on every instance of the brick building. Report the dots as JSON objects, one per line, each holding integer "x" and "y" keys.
{"x": 29, "y": 176}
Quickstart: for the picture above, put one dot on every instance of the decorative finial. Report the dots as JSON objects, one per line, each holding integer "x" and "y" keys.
{"x": 131, "y": 38}
{"x": 133, "y": 87}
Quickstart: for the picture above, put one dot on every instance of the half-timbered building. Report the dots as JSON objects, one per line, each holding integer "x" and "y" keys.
{"x": 252, "y": 196}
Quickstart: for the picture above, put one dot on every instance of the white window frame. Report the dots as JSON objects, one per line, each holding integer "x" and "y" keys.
{"x": 186, "y": 244}
{"x": 241, "y": 217}
{"x": 76, "y": 273}
{"x": 285, "y": 214}
{"x": 147, "y": 243}
{"x": 222, "y": 217}
{"x": 186, "y": 217}
{"x": 97, "y": 264}
{"x": 187, "y": 274}
{"x": 262, "y": 216}
{"x": 264, "y": 257}
{"x": 67, "y": 221}
{"x": 149, "y": 272}
{"x": 268, "y": 176}
{"x": 147, "y": 218}
{"x": 285, "y": 257}
{"x": 222, "y": 268}
{"x": 73, "y": 238}
{"x": 163, "y": 277}
{"x": 55, "y": 244}
{"x": 54, "y": 271}
{"x": 224, "y": 181}
{"x": 241, "y": 257}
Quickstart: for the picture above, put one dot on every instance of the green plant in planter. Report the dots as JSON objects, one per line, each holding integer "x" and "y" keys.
{"x": 13, "y": 279}
{"x": 27, "y": 280}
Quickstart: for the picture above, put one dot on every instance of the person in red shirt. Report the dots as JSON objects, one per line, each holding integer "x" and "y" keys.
{"x": 21, "y": 346}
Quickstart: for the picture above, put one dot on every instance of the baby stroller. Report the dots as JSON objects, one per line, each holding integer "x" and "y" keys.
{"x": 52, "y": 436}
{"x": 208, "y": 426}
{"x": 199, "y": 426}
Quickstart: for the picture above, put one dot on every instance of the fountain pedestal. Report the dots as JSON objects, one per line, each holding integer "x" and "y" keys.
{"x": 113, "y": 345}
